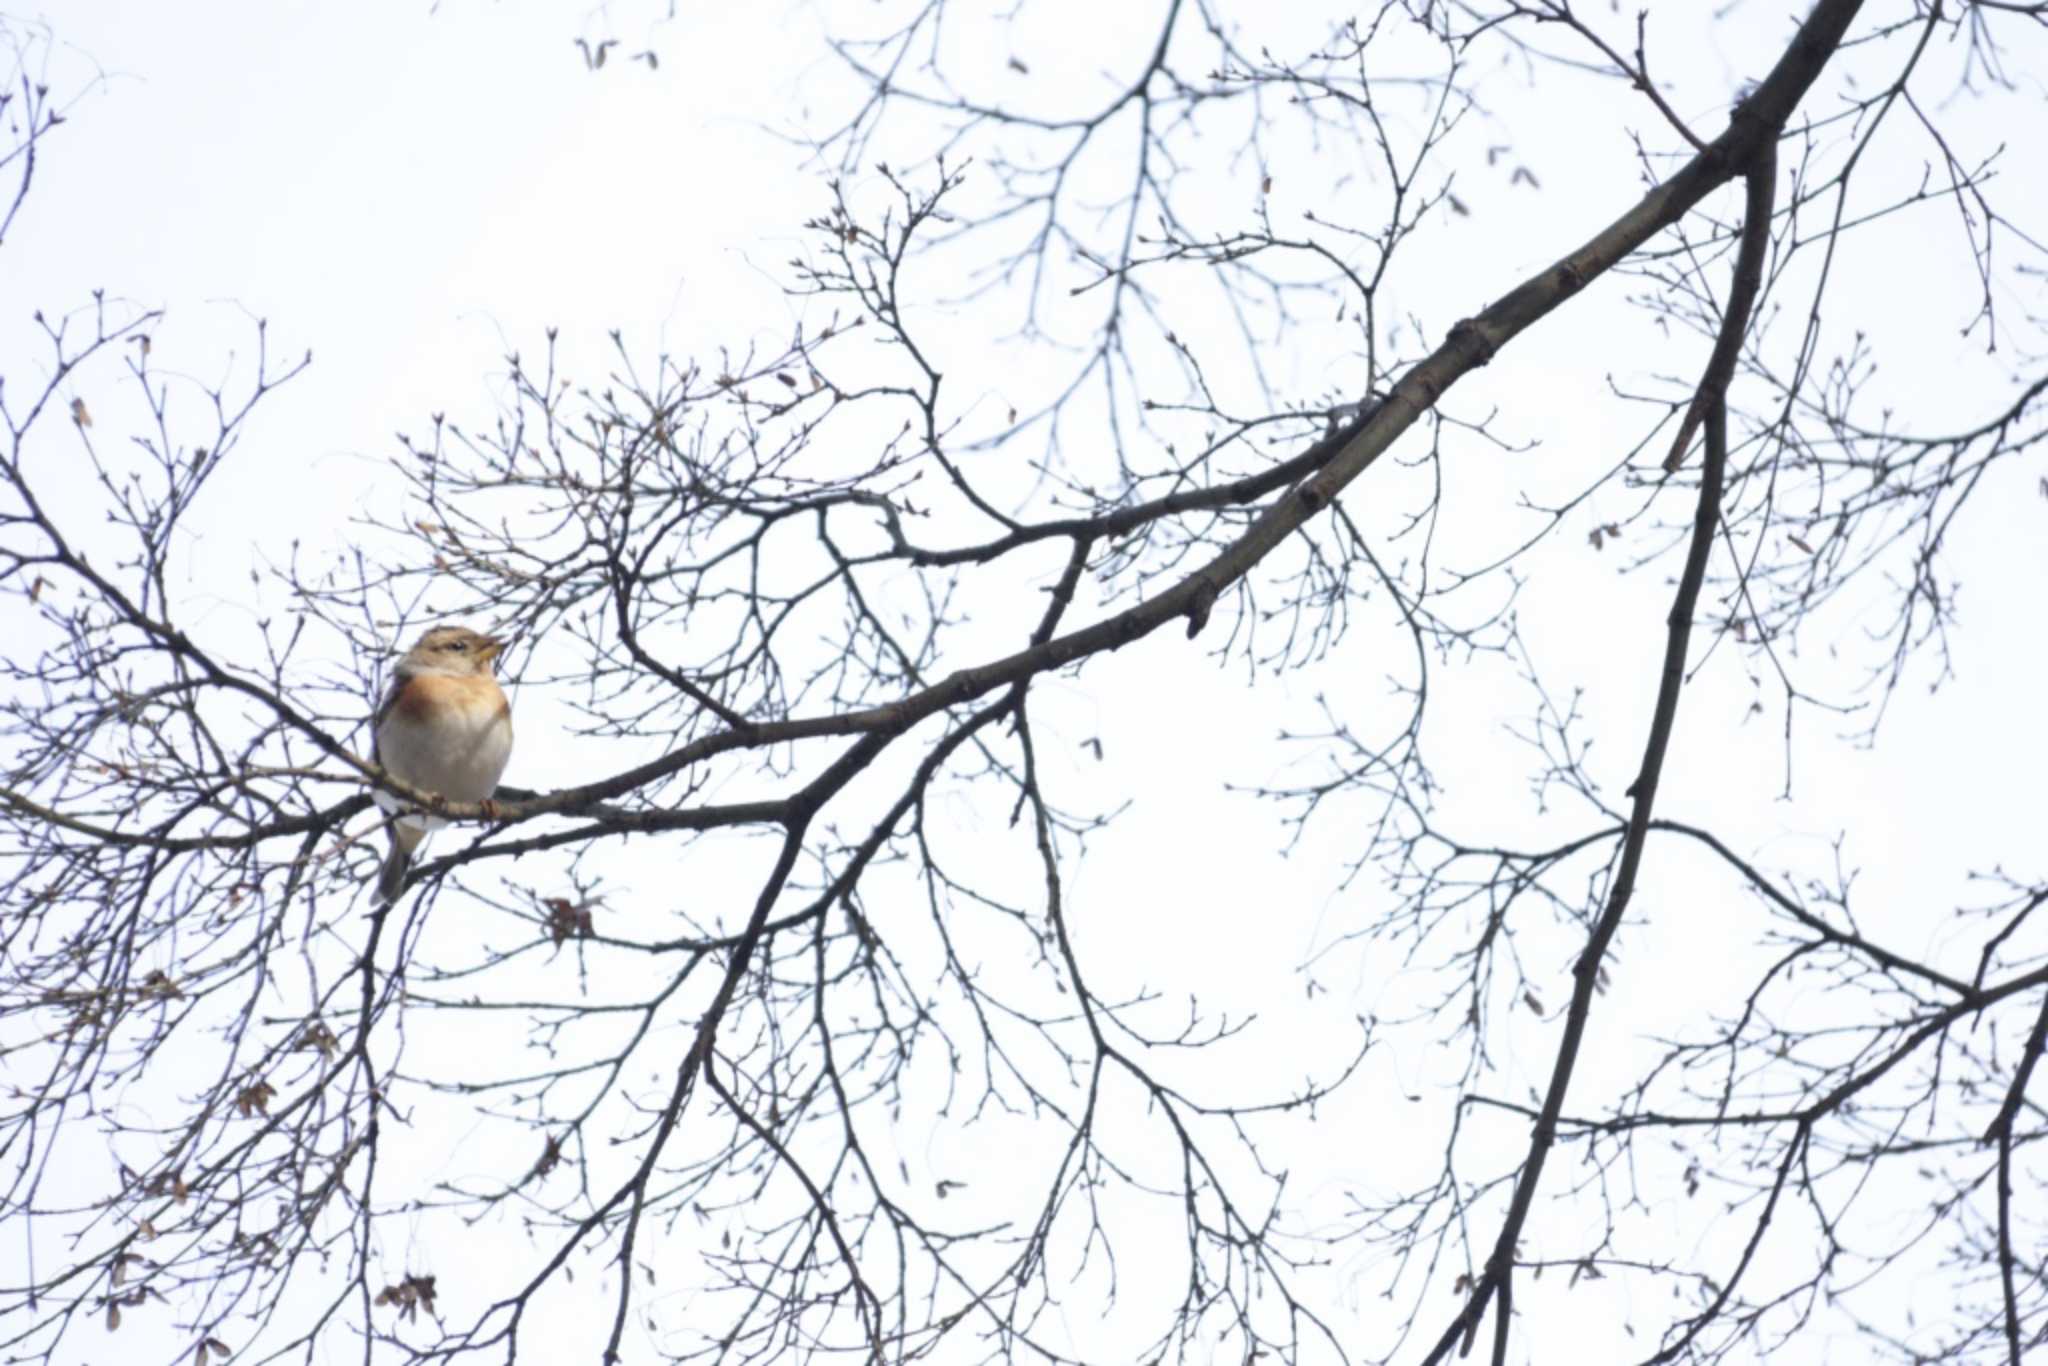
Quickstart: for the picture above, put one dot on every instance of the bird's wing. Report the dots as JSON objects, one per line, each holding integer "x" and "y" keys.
{"x": 383, "y": 714}
{"x": 384, "y": 800}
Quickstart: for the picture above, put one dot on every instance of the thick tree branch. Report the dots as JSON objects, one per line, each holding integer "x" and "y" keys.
{"x": 1500, "y": 1264}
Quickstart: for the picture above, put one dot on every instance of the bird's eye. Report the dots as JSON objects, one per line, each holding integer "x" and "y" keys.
{"x": 451, "y": 644}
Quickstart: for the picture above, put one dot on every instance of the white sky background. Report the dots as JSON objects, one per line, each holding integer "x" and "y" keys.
{"x": 413, "y": 194}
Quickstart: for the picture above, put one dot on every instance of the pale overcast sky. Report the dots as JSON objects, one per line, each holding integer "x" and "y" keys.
{"x": 413, "y": 193}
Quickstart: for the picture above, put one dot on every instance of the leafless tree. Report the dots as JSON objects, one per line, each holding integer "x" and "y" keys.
{"x": 807, "y": 600}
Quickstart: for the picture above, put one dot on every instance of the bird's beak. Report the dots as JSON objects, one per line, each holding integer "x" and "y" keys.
{"x": 494, "y": 646}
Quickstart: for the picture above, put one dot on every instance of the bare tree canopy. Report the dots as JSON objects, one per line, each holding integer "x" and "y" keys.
{"x": 1442, "y": 387}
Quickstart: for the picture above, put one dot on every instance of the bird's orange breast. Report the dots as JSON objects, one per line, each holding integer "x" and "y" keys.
{"x": 421, "y": 697}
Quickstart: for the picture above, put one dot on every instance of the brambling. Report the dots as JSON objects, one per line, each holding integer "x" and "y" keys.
{"x": 444, "y": 727}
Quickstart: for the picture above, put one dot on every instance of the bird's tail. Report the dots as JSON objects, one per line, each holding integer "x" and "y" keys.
{"x": 391, "y": 881}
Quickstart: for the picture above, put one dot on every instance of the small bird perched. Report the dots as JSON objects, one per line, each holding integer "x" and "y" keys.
{"x": 444, "y": 727}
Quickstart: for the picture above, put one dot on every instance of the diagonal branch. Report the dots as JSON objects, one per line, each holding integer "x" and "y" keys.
{"x": 1754, "y": 124}
{"x": 1497, "y": 1277}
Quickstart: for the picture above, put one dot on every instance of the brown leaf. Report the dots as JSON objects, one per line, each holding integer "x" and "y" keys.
{"x": 79, "y": 414}
{"x": 567, "y": 920}
{"x": 409, "y": 1295}
{"x": 255, "y": 1098}
{"x": 320, "y": 1038}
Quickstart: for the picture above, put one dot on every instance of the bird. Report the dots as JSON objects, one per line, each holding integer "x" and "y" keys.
{"x": 444, "y": 727}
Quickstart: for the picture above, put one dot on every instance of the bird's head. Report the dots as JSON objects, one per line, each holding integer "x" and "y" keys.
{"x": 452, "y": 650}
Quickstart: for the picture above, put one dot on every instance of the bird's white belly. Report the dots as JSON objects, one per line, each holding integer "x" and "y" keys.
{"x": 461, "y": 759}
